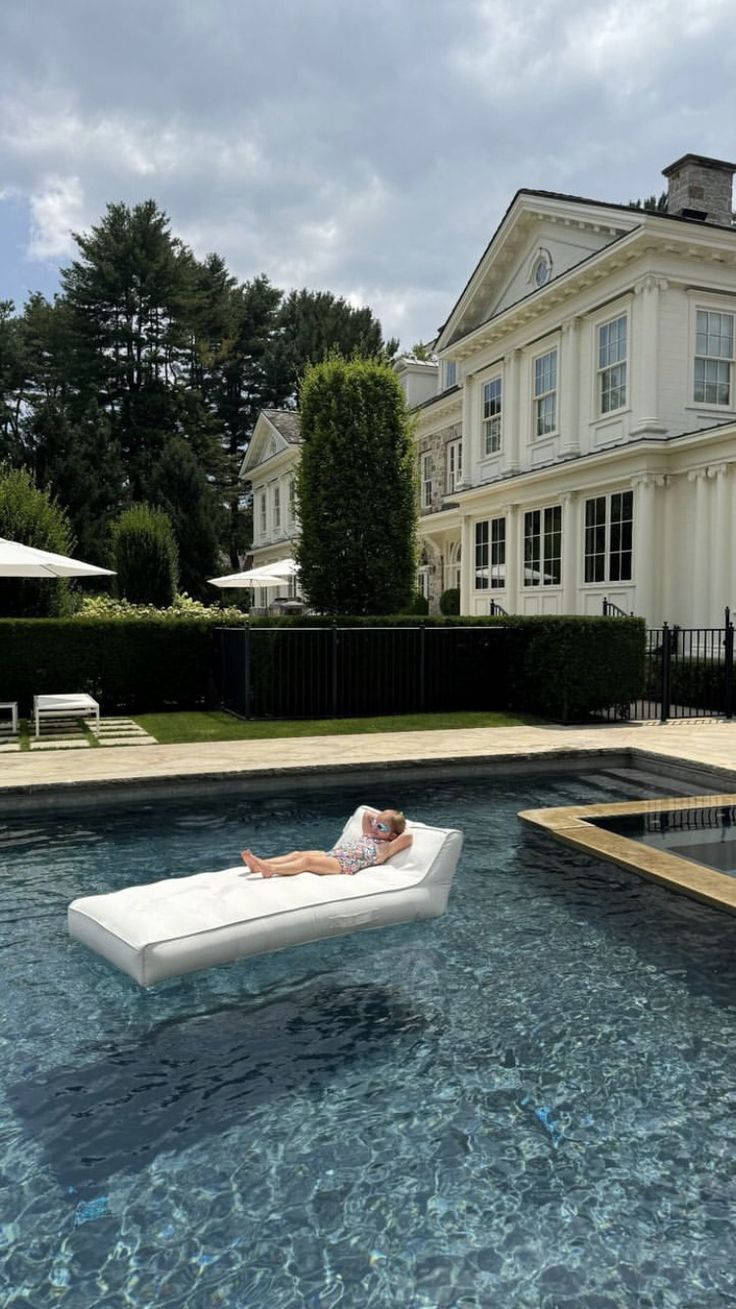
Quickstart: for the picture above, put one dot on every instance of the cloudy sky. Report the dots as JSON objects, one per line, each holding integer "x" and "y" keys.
{"x": 368, "y": 147}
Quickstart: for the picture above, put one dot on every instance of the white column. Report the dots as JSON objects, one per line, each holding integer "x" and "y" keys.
{"x": 514, "y": 546}
{"x": 511, "y": 420}
{"x": 570, "y": 388}
{"x": 469, "y": 442}
{"x": 643, "y": 358}
{"x": 645, "y": 547}
{"x": 696, "y": 613}
{"x": 571, "y": 551}
{"x": 467, "y": 565}
{"x": 720, "y": 560}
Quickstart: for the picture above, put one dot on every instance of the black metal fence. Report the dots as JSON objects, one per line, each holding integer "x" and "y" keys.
{"x": 689, "y": 674}
{"x": 345, "y": 672}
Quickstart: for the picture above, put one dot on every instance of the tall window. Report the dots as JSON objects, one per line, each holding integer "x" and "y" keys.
{"x": 454, "y": 465}
{"x": 498, "y": 554}
{"x": 426, "y": 480}
{"x": 713, "y": 358}
{"x": 612, "y": 365}
{"x": 545, "y": 394}
{"x": 264, "y": 513}
{"x": 450, "y": 373}
{"x": 481, "y": 556}
{"x": 490, "y": 554}
{"x": 277, "y": 508}
{"x": 543, "y": 546}
{"x": 609, "y": 524}
{"x": 492, "y": 406}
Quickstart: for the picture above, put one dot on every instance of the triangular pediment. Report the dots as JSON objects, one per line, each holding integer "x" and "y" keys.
{"x": 540, "y": 237}
{"x": 265, "y": 443}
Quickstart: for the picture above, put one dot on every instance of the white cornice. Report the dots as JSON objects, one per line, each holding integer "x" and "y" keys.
{"x": 713, "y": 246}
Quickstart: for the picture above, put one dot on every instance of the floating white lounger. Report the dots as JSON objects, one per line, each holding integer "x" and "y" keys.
{"x": 183, "y": 924}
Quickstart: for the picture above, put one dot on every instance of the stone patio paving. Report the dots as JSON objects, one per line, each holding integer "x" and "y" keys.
{"x": 709, "y": 744}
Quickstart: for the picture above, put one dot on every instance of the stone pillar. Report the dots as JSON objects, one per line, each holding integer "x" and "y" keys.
{"x": 514, "y": 547}
{"x": 698, "y": 614}
{"x": 643, "y": 358}
{"x": 470, "y": 444}
{"x": 467, "y": 565}
{"x": 511, "y": 420}
{"x": 570, "y": 388}
{"x": 572, "y": 551}
{"x": 645, "y": 548}
{"x": 720, "y": 559}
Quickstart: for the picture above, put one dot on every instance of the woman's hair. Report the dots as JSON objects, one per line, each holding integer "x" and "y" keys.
{"x": 398, "y": 821}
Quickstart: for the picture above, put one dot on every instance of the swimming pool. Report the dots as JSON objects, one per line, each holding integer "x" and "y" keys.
{"x": 528, "y": 1103}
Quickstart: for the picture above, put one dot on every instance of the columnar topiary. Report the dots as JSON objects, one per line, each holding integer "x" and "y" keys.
{"x": 356, "y": 492}
{"x": 144, "y": 556}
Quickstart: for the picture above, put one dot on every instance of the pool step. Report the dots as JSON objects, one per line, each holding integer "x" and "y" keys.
{"x": 639, "y": 784}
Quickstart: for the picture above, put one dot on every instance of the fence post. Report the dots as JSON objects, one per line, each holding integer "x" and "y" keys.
{"x": 422, "y": 667}
{"x": 334, "y": 671}
{"x": 728, "y": 667}
{"x": 664, "y": 704}
{"x": 247, "y": 680}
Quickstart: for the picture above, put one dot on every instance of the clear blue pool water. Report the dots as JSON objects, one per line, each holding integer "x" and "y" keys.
{"x": 706, "y": 836}
{"x": 528, "y": 1104}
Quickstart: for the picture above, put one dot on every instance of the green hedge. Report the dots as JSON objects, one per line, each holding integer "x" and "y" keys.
{"x": 560, "y": 668}
{"x": 138, "y": 665}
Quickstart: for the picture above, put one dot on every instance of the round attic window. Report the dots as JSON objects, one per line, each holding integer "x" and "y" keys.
{"x": 542, "y": 270}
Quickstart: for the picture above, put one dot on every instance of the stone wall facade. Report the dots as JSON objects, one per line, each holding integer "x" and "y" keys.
{"x": 435, "y": 444}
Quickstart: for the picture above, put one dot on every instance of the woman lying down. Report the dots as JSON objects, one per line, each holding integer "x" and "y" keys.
{"x": 383, "y": 837}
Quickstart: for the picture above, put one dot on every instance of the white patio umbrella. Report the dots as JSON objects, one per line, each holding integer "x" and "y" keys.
{"x": 281, "y": 570}
{"x": 18, "y": 560}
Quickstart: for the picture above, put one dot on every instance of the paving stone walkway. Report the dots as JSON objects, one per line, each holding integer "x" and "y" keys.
{"x": 72, "y": 734}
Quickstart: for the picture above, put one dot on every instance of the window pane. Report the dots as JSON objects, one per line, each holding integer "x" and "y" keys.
{"x": 498, "y": 553}
{"x": 481, "y": 556}
{"x": 622, "y": 513}
{"x": 595, "y": 539}
{"x": 552, "y": 571}
{"x": 532, "y": 548}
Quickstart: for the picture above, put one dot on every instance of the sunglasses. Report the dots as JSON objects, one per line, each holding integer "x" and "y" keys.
{"x": 382, "y": 827}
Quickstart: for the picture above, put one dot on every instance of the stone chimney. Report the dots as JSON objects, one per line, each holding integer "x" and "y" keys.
{"x": 701, "y": 188}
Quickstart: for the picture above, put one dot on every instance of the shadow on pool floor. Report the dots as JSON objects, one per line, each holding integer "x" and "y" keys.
{"x": 194, "y": 1078}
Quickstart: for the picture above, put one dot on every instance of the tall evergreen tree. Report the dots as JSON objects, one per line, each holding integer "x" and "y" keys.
{"x": 179, "y": 487}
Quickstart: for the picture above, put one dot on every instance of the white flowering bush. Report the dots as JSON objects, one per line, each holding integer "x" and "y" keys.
{"x": 106, "y": 606}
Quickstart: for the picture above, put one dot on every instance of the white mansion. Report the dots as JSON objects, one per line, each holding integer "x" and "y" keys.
{"x": 577, "y": 437}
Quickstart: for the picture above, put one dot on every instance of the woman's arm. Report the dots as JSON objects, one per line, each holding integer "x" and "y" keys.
{"x": 368, "y": 817}
{"x": 390, "y": 848}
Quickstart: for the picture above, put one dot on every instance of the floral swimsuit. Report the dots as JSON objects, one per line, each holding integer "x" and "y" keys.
{"x": 354, "y": 856}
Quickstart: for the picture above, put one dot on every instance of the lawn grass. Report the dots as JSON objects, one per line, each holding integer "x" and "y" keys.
{"x": 175, "y": 728}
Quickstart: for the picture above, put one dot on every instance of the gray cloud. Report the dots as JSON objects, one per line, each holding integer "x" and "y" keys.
{"x": 369, "y": 149}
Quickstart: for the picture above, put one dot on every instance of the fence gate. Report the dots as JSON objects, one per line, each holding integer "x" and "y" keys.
{"x": 689, "y": 673}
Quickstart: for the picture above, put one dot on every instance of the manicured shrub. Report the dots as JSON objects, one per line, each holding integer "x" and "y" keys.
{"x": 356, "y": 492}
{"x": 450, "y": 601}
{"x": 31, "y": 517}
{"x": 418, "y": 605}
{"x": 145, "y": 556}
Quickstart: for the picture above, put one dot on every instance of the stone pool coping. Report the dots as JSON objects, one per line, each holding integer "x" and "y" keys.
{"x": 704, "y": 752}
{"x": 574, "y": 826}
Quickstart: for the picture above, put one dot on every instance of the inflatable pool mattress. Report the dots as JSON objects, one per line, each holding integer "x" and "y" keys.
{"x": 182, "y": 924}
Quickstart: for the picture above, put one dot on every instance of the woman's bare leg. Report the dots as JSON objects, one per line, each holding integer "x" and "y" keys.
{"x": 311, "y": 861}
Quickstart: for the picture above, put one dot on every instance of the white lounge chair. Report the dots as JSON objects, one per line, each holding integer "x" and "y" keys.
{"x": 64, "y": 706}
{"x": 177, "y": 926}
